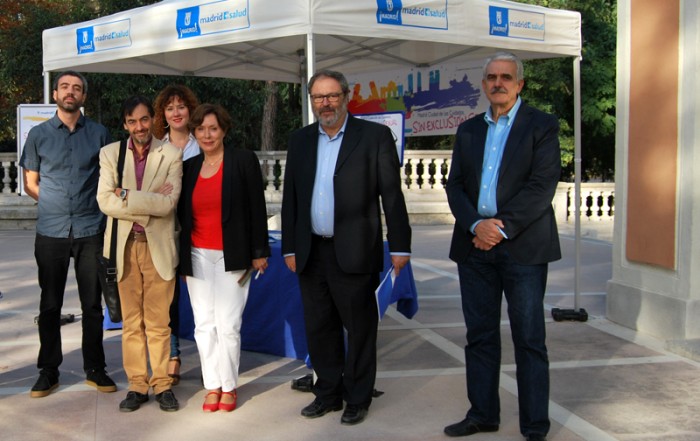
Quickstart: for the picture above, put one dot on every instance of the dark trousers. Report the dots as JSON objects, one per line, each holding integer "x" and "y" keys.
{"x": 334, "y": 300}
{"x": 53, "y": 258}
{"x": 484, "y": 278}
{"x": 175, "y": 318}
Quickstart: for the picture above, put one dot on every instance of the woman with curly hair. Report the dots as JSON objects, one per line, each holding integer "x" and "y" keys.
{"x": 173, "y": 107}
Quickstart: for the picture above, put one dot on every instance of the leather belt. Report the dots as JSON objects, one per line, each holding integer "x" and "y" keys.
{"x": 138, "y": 237}
{"x": 322, "y": 238}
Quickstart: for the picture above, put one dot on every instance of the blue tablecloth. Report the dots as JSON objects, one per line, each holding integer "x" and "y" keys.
{"x": 273, "y": 319}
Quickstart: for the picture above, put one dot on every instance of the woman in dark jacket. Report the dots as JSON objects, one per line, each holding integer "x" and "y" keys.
{"x": 224, "y": 234}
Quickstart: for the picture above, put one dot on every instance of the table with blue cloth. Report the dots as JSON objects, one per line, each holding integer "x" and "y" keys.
{"x": 273, "y": 319}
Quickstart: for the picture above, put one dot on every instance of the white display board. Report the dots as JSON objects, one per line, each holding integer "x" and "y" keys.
{"x": 28, "y": 116}
{"x": 396, "y": 122}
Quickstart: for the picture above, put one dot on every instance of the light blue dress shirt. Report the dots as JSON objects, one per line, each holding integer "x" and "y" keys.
{"x": 496, "y": 137}
{"x": 323, "y": 198}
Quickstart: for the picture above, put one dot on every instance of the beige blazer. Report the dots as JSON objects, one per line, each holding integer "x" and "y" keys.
{"x": 154, "y": 211}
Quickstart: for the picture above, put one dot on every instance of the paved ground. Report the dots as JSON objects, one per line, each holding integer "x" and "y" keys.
{"x": 608, "y": 382}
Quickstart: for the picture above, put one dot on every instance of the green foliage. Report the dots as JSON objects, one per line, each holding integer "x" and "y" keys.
{"x": 549, "y": 86}
{"x": 244, "y": 100}
{"x": 21, "y": 23}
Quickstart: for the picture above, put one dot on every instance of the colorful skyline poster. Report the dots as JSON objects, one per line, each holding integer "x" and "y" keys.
{"x": 435, "y": 100}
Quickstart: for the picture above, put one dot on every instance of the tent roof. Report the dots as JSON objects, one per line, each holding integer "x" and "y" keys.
{"x": 269, "y": 39}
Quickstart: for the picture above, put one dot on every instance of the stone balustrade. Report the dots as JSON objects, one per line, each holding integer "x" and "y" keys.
{"x": 8, "y": 173}
{"x": 424, "y": 175}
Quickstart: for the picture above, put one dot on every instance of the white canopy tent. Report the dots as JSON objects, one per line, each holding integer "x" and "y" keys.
{"x": 288, "y": 40}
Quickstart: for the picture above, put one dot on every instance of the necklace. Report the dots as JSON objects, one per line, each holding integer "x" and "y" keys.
{"x": 211, "y": 164}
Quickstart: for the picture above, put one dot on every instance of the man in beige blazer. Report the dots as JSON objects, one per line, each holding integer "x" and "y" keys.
{"x": 146, "y": 252}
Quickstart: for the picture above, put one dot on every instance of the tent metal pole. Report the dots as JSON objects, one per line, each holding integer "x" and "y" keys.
{"x": 310, "y": 70}
{"x": 577, "y": 179}
{"x": 576, "y": 314}
{"x": 47, "y": 87}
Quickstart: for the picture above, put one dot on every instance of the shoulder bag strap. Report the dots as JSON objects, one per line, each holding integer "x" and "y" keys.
{"x": 120, "y": 170}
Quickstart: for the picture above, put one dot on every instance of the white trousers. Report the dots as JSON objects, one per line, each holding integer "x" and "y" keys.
{"x": 217, "y": 305}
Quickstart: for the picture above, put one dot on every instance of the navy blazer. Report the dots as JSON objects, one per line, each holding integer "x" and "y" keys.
{"x": 243, "y": 210}
{"x": 367, "y": 168}
{"x": 527, "y": 181}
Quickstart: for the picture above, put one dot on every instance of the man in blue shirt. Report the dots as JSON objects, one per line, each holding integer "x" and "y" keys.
{"x": 505, "y": 169}
{"x": 61, "y": 170}
{"x": 338, "y": 169}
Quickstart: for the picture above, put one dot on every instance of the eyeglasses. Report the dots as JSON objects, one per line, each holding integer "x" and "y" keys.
{"x": 331, "y": 97}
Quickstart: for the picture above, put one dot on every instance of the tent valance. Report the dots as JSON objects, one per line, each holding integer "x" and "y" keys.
{"x": 270, "y": 39}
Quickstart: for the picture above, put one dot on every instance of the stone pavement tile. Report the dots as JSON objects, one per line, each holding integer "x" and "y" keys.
{"x": 439, "y": 311}
{"x": 402, "y": 350}
{"x": 641, "y": 401}
{"x": 574, "y": 341}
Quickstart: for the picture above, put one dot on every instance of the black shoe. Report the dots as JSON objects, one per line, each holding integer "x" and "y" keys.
{"x": 318, "y": 409}
{"x": 98, "y": 379}
{"x": 468, "y": 427}
{"x": 44, "y": 386}
{"x": 536, "y": 437}
{"x": 303, "y": 384}
{"x": 167, "y": 401}
{"x": 353, "y": 415}
{"x": 133, "y": 401}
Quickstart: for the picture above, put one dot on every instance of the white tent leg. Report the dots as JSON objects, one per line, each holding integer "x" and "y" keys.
{"x": 576, "y": 314}
{"x": 577, "y": 179}
{"x": 47, "y": 87}
{"x": 310, "y": 70}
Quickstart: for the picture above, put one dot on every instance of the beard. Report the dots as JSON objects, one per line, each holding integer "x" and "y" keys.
{"x": 332, "y": 120}
{"x": 69, "y": 107}
{"x": 141, "y": 138}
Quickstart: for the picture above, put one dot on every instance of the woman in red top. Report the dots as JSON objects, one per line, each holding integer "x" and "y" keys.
{"x": 224, "y": 233}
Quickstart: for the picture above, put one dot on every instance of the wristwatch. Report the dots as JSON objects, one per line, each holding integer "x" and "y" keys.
{"x": 123, "y": 193}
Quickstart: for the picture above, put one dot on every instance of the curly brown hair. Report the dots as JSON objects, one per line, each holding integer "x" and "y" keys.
{"x": 164, "y": 98}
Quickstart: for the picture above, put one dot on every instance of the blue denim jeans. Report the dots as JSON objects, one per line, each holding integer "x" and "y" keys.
{"x": 484, "y": 278}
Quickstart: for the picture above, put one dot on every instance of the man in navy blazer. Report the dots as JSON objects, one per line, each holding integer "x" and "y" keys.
{"x": 505, "y": 168}
{"x": 337, "y": 170}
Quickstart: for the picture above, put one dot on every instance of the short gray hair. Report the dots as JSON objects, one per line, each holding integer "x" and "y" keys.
{"x": 506, "y": 56}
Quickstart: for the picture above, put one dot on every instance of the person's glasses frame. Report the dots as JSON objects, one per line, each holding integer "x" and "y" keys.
{"x": 331, "y": 97}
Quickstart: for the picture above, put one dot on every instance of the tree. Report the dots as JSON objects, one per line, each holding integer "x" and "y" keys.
{"x": 269, "y": 117}
{"x": 549, "y": 86}
{"x": 21, "y": 23}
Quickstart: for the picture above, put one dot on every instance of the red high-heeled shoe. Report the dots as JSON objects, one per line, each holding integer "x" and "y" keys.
{"x": 212, "y": 407}
{"x": 228, "y": 407}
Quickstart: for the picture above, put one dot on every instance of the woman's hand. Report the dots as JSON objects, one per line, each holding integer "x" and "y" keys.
{"x": 260, "y": 264}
